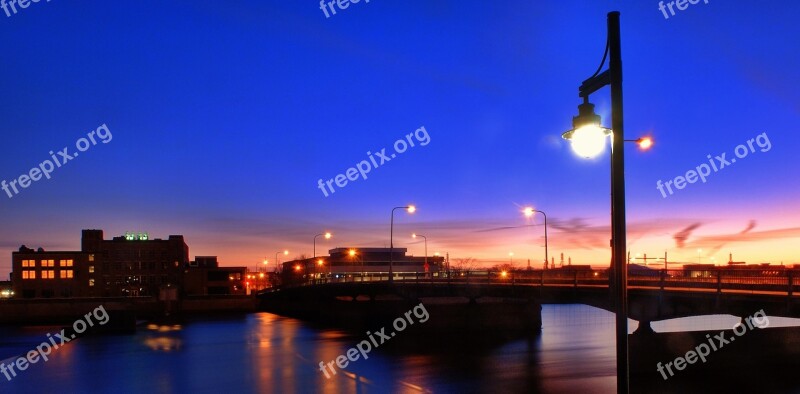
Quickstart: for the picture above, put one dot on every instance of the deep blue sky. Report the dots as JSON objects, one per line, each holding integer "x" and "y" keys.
{"x": 224, "y": 116}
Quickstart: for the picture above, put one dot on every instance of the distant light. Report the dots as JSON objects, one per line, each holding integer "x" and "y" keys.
{"x": 414, "y": 235}
{"x": 320, "y": 262}
{"x": 297, "y": 267}
{"x": 645, "y": 143}
{"x": 286, "y": 252}
{"x": 327, "y": 236}
{"x": 528, "y": 211}
{"x": 352, "y": 252}
{"x": 412, "y": 209}
{"x": 266, "y": 262}
{"x": 504, "y": 274}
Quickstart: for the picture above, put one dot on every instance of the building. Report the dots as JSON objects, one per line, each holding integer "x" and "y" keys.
{"x": 204, "y": 276}
{"x": 39, "y": 273}
{"x": 342, "y": 263}
{"x": 129, "y": 265}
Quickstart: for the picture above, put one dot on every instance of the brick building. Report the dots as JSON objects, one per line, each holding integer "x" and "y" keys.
{"x": 130, "y": 265}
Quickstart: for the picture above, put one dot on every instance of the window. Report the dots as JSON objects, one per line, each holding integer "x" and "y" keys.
{"x": 91, "y": 257}
{"x": 66, "y": 274}
{"x": 29, "y": 263}
{"x": 91, "y": 282}
{"x": 65, "y": 263}
{"x": 48, "y": 263}
{"x": 48, "y": 274}
{"x": 91, "y": 269}
{"x": 28, "y": 274}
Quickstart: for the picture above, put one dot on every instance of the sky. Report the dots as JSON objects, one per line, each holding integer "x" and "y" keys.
{"x": 222, "y": 118}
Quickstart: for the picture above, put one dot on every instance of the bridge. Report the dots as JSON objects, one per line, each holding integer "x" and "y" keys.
{"x": 653, "y": 295}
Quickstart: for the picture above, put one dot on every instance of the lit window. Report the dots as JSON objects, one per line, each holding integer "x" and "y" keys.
{"x": 28, "y": 274}
{"x": 66, "y": 274}
{"x": 48, "y": 274}
{"x": 48, "y": 263}
{"x": 65, "y": 263}
{"x": 91, "y": 257}
{"x": 91, "y": 269}
{"x": 29, "y": 263}
{"x": 91, "y": 282}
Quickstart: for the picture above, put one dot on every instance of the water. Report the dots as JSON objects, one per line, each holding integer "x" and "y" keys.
{"x": 266, "y": 353}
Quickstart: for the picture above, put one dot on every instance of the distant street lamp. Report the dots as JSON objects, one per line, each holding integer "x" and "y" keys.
{"x": 529, "y": 212}
{"x": 511, "y": 258}
{"x": 327, "y": 236}
{"x": 415, "y": 235}
{"x": 410, "y": 209}
{"x": 277, "y": 263}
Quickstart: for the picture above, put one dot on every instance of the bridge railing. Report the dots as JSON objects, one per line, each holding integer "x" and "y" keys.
{"x": 713, "y": 279}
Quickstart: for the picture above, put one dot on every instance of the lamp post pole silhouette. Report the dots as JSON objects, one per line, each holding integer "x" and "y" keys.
{"x": 588, "y": 139}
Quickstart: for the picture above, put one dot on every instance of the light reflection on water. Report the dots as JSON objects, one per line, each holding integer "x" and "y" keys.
{"x": 265, "y": 353}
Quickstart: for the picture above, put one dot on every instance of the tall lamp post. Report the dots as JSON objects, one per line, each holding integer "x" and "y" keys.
{"x": 529, "y": 212}
{"x": 277, "y": 263}
{"x": 327, "y": 235}
{"x": 410, "y": 209}
{"x": 415, "y": 235}
{"x": 588, "y": 139}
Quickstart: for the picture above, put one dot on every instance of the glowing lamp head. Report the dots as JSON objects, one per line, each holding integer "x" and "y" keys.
{"x": 297, "y": 267}
{"x": 645, "y": 143}
{"x": 587, "y": 137}
{"x": 528, "y": 211}
{"x": 266, "y": 262}
{"x": 414, "y": 235}
{"x": 285, "y": 252}
{"x": 411, "y": 209}
{"x": 320, "y": 262}
{"x": 504, "y": 274}
{"x": 328, "y": 235}
{"x": 352, "y": 252}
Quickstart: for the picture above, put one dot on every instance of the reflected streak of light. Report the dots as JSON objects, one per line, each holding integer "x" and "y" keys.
{"x": 164, "y": 344}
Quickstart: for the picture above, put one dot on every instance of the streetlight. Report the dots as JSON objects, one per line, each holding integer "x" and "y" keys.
{"x": 529, "y": 212}
{"x": 353, "y": 253}
{"x": 266, "y": 262}
{"x": 410, "y": 209}
{"x": 327, "y": 235}
{"x": 277, "y": 263}
{"x": 415, "y": 235}
{"x": 588, "y": 140}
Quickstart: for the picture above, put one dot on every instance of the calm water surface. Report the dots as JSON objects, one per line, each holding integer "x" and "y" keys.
{"x": 266, "y": 353}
